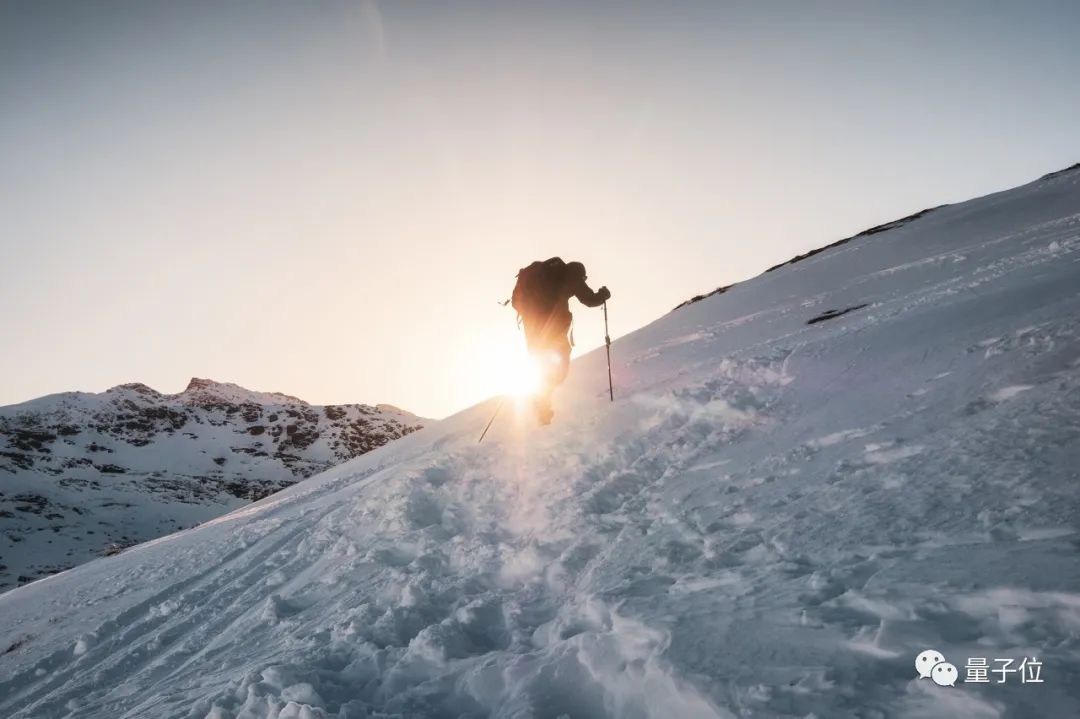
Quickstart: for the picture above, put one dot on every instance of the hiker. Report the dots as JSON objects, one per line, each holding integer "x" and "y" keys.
{"x": 541, "y": 297}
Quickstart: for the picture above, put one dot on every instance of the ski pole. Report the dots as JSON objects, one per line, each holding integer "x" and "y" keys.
{"x": 607, "y": 341}
{"x": 493, "y": 415}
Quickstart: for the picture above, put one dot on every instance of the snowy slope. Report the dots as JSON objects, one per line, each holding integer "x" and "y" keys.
{"x": 83, "y": 474}
{"x": 772, "y": 520}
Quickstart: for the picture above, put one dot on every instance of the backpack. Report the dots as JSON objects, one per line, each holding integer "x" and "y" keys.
{"x": 537, "y": 287}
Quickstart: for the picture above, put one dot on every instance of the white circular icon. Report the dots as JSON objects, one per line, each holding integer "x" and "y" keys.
{"x": 944, "y": 674}
{"x": 925, "y": 662}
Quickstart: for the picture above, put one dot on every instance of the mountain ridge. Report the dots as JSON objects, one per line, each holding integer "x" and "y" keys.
{"x": 77, "y": 468}
{"x": 893, "y": 224}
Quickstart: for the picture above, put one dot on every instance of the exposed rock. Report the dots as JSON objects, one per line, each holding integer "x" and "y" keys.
{"x": 870, "y": 231}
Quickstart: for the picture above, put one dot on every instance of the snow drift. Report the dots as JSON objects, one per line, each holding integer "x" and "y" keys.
{"x": 773, "y": 519}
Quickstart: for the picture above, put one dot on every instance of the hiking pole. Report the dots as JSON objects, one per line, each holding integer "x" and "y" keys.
{"x": 607, "y": 341}
{"x": 493, "y": 416}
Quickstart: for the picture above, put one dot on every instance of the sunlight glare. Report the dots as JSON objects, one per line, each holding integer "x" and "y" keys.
{"x": 497, "y": 363}
{"x": 519, "y": 376}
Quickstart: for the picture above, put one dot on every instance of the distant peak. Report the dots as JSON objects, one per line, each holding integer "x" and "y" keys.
{"x": 198, "y": 383}
{"x": 137, "y": 387}
{"x": 202, "y": 391}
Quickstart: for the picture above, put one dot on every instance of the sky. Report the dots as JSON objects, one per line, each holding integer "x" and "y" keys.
{"x": 329, "y": 199}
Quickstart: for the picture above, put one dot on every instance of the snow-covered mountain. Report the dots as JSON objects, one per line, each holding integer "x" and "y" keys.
{"x": 86, "y": 474}
{"x": 803, "y": 483}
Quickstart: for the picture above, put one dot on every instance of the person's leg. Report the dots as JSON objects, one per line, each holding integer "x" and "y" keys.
{"x": 548, "y": 380}
{"x": 556, "y": 359}
{"x": 561, "y": 349}
{"x": 537, "y": 341}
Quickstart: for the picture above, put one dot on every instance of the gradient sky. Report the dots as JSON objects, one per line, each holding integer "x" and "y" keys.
{"x": 329, "y": 198}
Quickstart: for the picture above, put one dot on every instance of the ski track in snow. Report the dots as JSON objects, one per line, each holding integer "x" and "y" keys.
{"x": 773, "y": 520}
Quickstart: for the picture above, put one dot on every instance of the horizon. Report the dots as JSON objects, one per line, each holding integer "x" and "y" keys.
{"x": 329, "y": 200}
{"x": 701, "y": 295}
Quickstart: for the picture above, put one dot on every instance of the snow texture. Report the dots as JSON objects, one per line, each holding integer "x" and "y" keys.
{"x": 772, "y": 520}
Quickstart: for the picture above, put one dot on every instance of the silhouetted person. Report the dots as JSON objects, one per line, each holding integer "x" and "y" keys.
{"x": 542, "y": 299}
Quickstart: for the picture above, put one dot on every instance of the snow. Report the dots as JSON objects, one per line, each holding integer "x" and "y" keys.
{"x": 773, "y": 519}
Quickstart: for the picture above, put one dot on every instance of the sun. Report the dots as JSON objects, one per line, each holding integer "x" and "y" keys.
{"x": 498, "y": 363}
{"x": 517, "y": 375}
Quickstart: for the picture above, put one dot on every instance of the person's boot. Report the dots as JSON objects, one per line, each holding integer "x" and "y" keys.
{"x": 544, "y": 413}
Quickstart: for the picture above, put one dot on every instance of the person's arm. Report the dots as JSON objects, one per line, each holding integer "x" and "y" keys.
{"x": 587, "y": 297}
